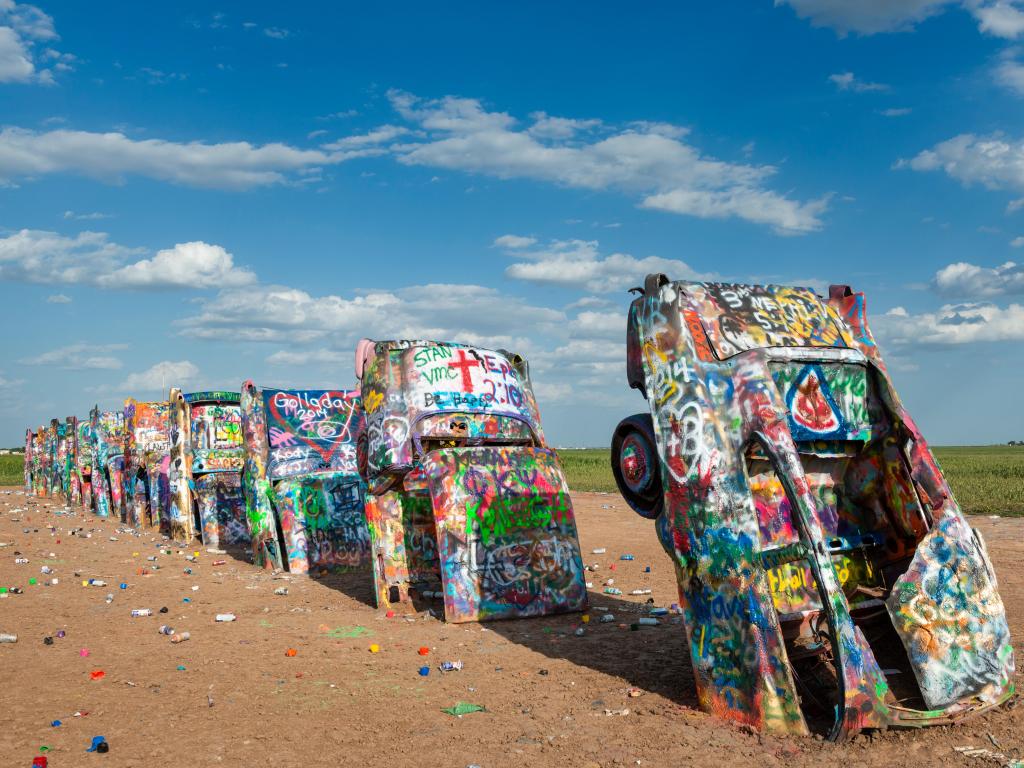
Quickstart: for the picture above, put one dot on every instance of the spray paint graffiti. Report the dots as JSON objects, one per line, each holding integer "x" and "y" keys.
{"x": 301, "y": 480}
{"x": 147, "y": 461}
{"x": 491, "y": 529}
{"x": 108, "y": 469}
{"x": 204, "y": 469}
{"x": 812, "y": 532}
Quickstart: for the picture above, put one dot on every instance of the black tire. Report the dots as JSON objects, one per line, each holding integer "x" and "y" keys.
{"x": 637, "y": 466}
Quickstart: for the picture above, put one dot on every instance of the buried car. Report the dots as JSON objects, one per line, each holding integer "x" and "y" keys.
{"x": 303, "y": 493}
{"x": 206, "y": 457}
{"x": 85, "y": 452}
{"x": 828, "y": 579}
{"x": 108, "y": 464}
{"x": 466, "y": 501}
{"x": 147, "y": 459}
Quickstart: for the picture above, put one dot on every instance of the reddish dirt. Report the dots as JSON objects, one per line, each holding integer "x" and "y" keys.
{"x": 546, "y": 691}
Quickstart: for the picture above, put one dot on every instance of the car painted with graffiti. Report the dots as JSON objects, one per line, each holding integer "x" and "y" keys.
{"x": 204, "y": 477}
{"x": 466, "y": 500}
{"x": 827, "y": 577}
{"x": 303, "y": 493}
{"x": 85, "y": 456}
{"x": 108, "y": 467}
{"x": 147, "y": 461}
{"x": 31, "y": 459}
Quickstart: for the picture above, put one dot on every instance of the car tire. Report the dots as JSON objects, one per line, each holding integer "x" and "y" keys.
{"x": 637, "y": 467}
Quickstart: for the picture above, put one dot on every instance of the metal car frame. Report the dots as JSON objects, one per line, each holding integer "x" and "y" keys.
{"x": 147, "y": 462}
{"x": 303, "y": 494}
{"x": 827, "y": 576}
{"x": 466, "y": 502}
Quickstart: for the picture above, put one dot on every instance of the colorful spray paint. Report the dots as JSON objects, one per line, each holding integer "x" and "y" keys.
{"x": 815, "y": 541}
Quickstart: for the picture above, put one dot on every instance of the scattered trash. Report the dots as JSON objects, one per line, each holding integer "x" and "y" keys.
{"x": 616, "y": 712}
{"x": 634, "y": 692}
{"x": 424, "y": 650}
{"x": 97, "y": 674}
{"x": 463, "y": 708}
{"x": 84, "y": 652}
{"x": 56, "y": 724}
{"x": 181, "y": 667}
{"x": 987, "y": 754}
{"x": 612, "y": 591}
{"x": 181, "y": 637}
{"x": 647, "y": 622}
{"x": 290, "y": 652}
{"x": 219, "y": 562}
{"x": 99, "y": 744}
{"x": 166, "y": 630}
{"x": 424, "y": 671}
{"x": 598, "y": 551}
{"x": 6, "y": 638}
{"x": 374, "y": 648}
{"x": 640, "y": 592}
{"x": 164, "y": 609}
{"x": 123, "y": 585}
{"x": 608, "y": 618}
{"x": 580, "y": 632}
{"x": 281, "y": 591}
{"x": 450, "y": 666}
{"x": 138, "y": 612}
{"x": 626, "y": 557}
{"x": 47, "y": 640}
{"x": 225, "y": 617}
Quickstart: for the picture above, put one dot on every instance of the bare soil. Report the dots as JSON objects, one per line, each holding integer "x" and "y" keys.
{"x": 232, "y": 696}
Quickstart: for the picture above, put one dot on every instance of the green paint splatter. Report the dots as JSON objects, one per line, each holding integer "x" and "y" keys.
{"x": 357, "y": 631}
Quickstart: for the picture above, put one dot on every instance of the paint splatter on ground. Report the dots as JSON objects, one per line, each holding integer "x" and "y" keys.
{"x": 551, "y": 697}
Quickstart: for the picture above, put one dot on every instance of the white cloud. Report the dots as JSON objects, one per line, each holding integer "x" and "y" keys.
{"x": 113, "y": 156}
{"x": 291, "y": 357}
{"x": 87, "y": 216}
{"x": 1001, "y": 18}
{"x": 1014, "y": 205}
{"x": 994, "y": 161}
{"x": 578, "y": 263}
{"x": 971, "y": 281}
{"x": 442, "y": 311}
{"x": 1017, "y": 242}
{"x": 160, "y": 377}
{"x": 277, "y": 33}
{"x": 650, "y": 160}
{"x": 80, "y": 356}
{"x": 547, "y": 127}
{"x": 952, "y": 324}
{"x": 186, "y": 265}
{"x": 24, "y": 29}
{"x": 514, "y": 241}
{"x": 866, "y": 17}
{"x": 36, "y": 256}
{"x": 1009, "y": 73}
{"x": 378, "y": 135}
{"x": 847, "y": 81}
{"x": 58, "y": 298}
{"x": 895, "y": 112}
{"x": 90, "y": 258}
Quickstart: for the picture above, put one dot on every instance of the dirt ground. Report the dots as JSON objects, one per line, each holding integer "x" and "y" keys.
{"x": 232, "y": 696}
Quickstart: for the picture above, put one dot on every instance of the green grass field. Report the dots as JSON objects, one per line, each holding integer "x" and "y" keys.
{"x": 987, "y": 480}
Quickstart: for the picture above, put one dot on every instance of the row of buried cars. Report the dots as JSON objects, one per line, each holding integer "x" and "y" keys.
{"x": 828, "y": 580}
{"x": 435, "y": 475}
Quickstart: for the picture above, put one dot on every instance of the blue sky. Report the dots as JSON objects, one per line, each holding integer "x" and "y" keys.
{"x": 192, "y": 196}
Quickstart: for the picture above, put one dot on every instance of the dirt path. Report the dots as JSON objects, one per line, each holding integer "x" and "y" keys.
{"x": 546, "y": 691}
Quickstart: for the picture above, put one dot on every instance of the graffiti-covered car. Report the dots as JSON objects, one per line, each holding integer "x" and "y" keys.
{"x": 27, "y": 467}
{"x": 147, "y": 460}
{"x": 85, "y": 456}
{"x": 205, "y": 474}
{"x": 108, "y": 468}
{"x": 303, "y": 492}
{"x": 466, "y": 501}
{"x": 828, "y": 579}
{"x": 40, "y": 463}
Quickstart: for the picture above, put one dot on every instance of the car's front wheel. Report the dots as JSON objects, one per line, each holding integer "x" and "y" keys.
{"x": 635, "y": 465}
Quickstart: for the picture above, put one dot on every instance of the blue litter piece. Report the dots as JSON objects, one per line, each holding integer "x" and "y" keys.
{"x": 96, "y": 741}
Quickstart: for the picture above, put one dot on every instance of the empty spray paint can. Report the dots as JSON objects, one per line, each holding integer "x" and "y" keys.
{"x": 450, "y": 666}
{"x": 137, "y": 612}
{"x": 181, "y": 637}
{"x": 647, "y": 622}
{"x": 225, "y": 617}
{"x": 5, "y": 638}
{"x": 166, "y": 630}
{"x": 608, "y": 618}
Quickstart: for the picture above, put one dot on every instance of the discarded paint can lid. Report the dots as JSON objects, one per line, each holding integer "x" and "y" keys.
{"x": 424, "y": 671}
